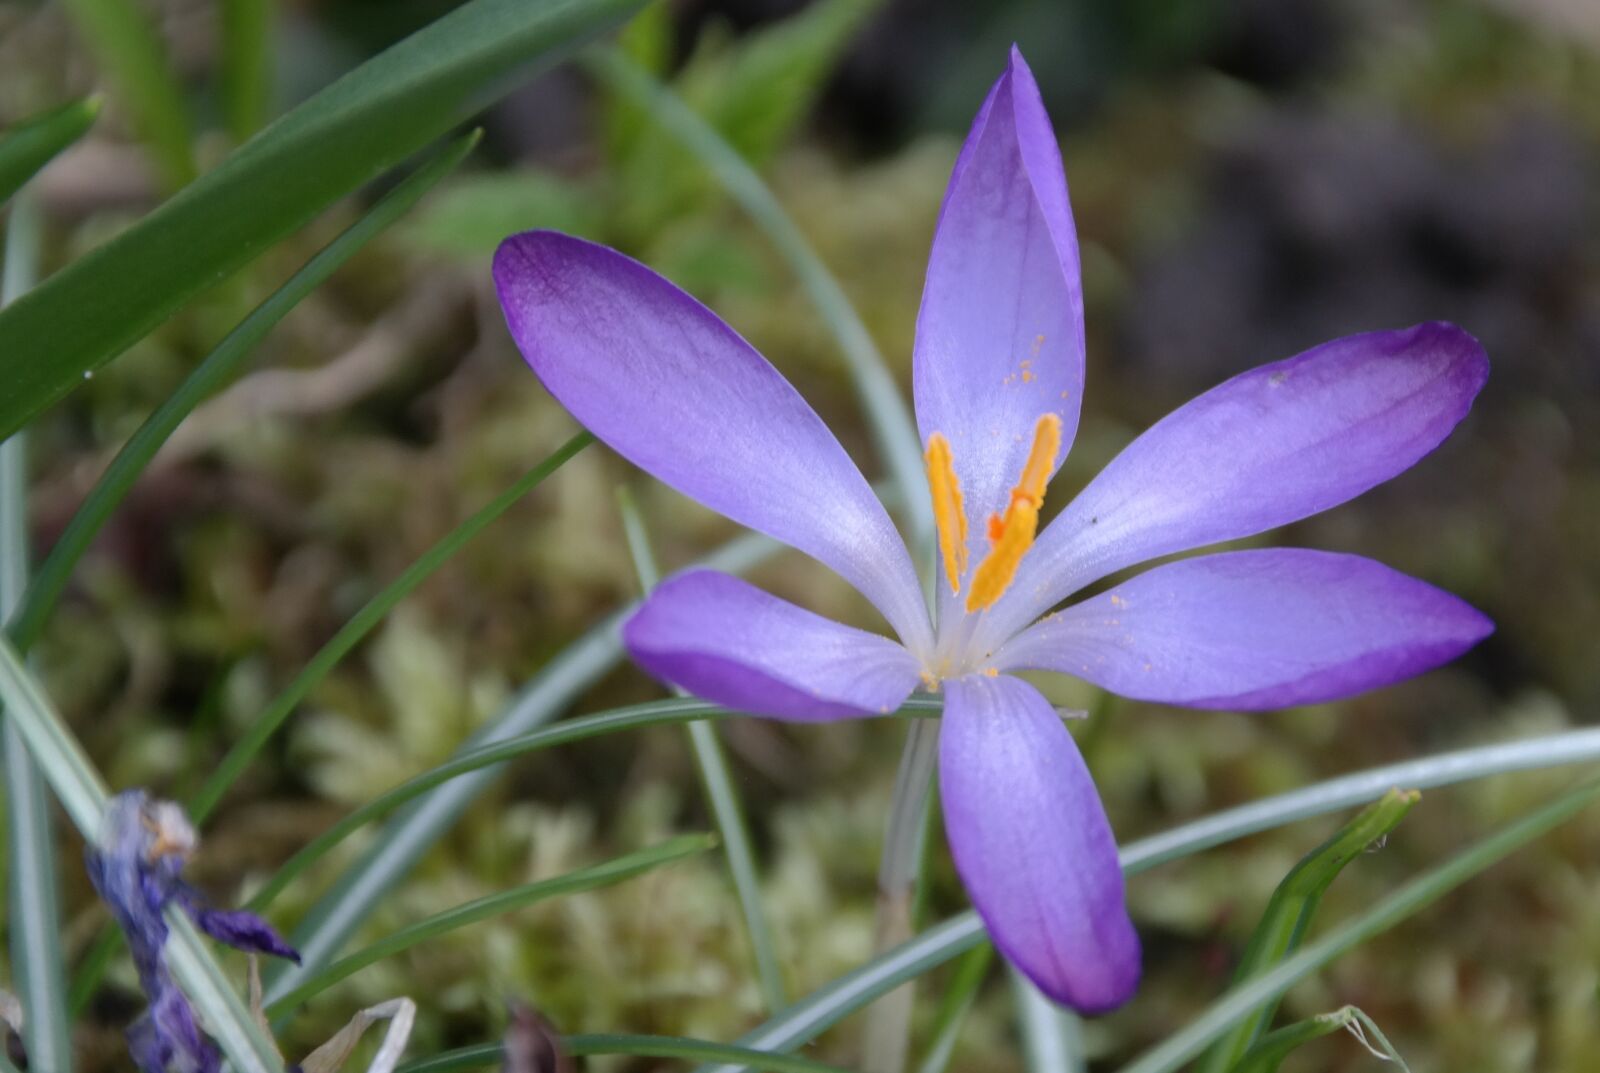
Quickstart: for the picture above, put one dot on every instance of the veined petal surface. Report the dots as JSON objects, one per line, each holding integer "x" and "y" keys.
{"x": 1263, "y": 449}
{"x": 670, "y": 387}
{"x": 1000, "y": 332}
{"x": 1032, "y": 843}
{"x": 723, "y": 639}
{"x": 1251, "y": 630}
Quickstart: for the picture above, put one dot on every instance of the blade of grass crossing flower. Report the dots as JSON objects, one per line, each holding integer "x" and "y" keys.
{"x": 489, "y": 1054}
{"x": 82, "y": 793}
{"x": 1410, "y": 898}
{"x": 885, "y": 407}
{"x": 810, "y": 1016}
{"x": 1052, "y": 1038}
{"x": 129, "y": 50}
{"x": 600, "y": 875}
{"x": 350, "y": 634}
{"x": 888, "y": 1032}
{"x": 578, "y": 728}
{"x": 952, "y": 1013}
{"x": 33, "y": 143}
{"x": 1270, "y": 1050}
{"x": 340, "y": 911}
{"x": 33, "y": 900}
{"x": 247, "y": 64}
{"x": 365, "y": 123}
{"x": 1288, "y": 915}
{"x": 219, "y": 366}
{"x": 721, "y": 796}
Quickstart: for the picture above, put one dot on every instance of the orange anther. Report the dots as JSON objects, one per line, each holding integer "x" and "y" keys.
{"x": 1011, "y": 535}
{"x": 948, "y": 512}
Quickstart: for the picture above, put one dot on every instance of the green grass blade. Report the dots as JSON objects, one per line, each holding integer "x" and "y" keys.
{"x": 954, "y": 1007}
{"x": 247, "y": 64}
{"x": 1270, "y": 1050}
{"x": 808, "y": 1017}
{"x": 723, "y": 799}
{"x": 33, "y": 143}
{"x": 578, "y": 728}
{"x": 887, "y": 414}
{"x": 219, "y": 366}
{"x": 489, "y": 1054}
{"x": 1288, "y": 914}
{"x": 273, "y": 715}
{"x": 600, "y": 875}
{"x": 1052, "y": 1038}
{"x": 363, "y": 621}
{"x": 340, "y": 911}
{"x": 82, "y": 793}
{"x": 128, "y": 49}
{"x": 33, "y": 900}
{"x": 1237, "y": 1004}
{"x": 362, "y": 125}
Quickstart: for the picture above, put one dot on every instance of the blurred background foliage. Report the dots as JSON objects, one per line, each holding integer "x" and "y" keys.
{"x": 1249, "y": 178}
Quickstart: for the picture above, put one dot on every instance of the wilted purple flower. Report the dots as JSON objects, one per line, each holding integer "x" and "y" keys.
{"x": 998, "y": 376}
{"x": 137, "y": 868}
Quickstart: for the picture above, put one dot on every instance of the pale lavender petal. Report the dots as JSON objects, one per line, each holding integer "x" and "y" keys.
{"x": 725, "y": 640}
{"x": 677, "y": 392}
{"x": 1253, "y": 629}
{"x": 1266, "y": 448}
{"x": 1032, "y": 843}
{"x": 1000, "y": 334}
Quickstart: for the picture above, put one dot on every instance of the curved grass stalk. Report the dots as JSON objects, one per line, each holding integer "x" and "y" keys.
{"x": 652, "y": 713}
{"x": 600, "y": 875}
{"x": 33, "y": 900}
{"x": 1052, "y": 1038}
{"x": 721, "y": 795}
{"x": 1237, "y": 1004}
{"x": 958, "y": 1000}
{"x": 810, "y": 1016}
{"x": 485, "y": 1055}
{"x": 340, "y": 911}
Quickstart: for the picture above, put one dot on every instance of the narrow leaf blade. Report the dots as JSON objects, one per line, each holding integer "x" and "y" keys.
{"x": 369, "y": 120}
{"x": 1288, "y": 914}
{"x": 133, "y": 56}
{"x": 33, "y": 143}
{"x": 600, "y": 875}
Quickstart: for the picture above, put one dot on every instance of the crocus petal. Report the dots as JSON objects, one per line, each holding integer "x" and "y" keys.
{"x": 239, "y": 928}
{"x": 1000, "y": 333}
{"x": 677, "y": 392}
{"x": 725, "y": 640}
{"x": 1032, "y": 843}
{"x": 1253, "y": 629}
{"x": 167, "y": 1037}
{"x": 1266, "y": 448}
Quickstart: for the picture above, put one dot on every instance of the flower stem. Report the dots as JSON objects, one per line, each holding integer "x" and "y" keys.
{"x": 889, "y": 1021}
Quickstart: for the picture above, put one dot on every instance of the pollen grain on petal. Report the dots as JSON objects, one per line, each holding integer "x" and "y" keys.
{"x": 948, "y": 510}
{"x": 1011, "y": 534}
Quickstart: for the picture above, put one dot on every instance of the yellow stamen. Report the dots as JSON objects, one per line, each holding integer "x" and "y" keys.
{"x": 948, "y": 512}
{"x": 1011, "y": 535}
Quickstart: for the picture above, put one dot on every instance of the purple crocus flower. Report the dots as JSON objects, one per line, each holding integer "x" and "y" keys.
{"x": 137, "y": 868}
{"x": 998, "y": 377}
